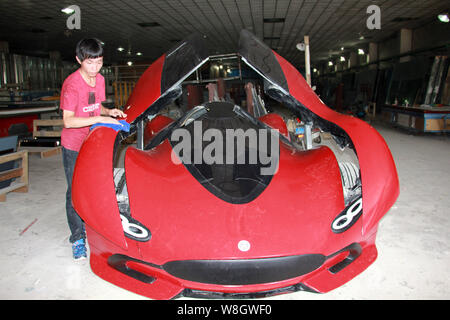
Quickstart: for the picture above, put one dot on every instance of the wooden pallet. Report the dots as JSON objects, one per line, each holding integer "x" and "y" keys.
{"x": 21, "y": 172}
{"x": 43, "y": 152}
{"x": 122, "y": 91}
{"x": 47, "y": 123}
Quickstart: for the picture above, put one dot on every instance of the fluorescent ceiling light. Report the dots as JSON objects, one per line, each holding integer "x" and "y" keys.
{"x": 68, "y": 10}
{"x": 139, "y": 53}
{"x": 120, "y": 49}
{"x": 130, "y": 63}
{"x": 360, "y": 51}
{"x": 330, "y": 63}
{"x": 443, "y": 17}
{"x": 342, "y": 58}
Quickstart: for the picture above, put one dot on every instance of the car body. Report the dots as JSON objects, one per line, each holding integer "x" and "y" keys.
{"x": 163, "y": 227}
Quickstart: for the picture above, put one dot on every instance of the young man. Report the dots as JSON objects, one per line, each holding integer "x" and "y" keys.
{"x": 81, "y": 100}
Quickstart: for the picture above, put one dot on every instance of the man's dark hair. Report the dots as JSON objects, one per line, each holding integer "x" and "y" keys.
{"x": 89, "y": 49}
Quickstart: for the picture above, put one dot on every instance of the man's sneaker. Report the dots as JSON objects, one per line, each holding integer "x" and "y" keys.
{"x": 79, "y": 250}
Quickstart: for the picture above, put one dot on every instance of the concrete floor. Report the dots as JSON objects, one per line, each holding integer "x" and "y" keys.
{"x": 413, "y": 238}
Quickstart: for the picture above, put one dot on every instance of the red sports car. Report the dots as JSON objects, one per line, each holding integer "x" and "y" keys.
{"x": 227, "y": 199}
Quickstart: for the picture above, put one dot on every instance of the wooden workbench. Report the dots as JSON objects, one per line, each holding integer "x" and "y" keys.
{"x": 422, "y": 118}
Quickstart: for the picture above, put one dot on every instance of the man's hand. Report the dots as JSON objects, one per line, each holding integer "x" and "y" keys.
{"x": 102, "y": 119}
{"x": 117, "y": 113}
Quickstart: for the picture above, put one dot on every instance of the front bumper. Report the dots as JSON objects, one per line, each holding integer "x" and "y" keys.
{"x": 248, "y": 278}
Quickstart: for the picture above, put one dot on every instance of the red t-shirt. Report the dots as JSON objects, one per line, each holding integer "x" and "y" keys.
{"x": 85, "y": 101}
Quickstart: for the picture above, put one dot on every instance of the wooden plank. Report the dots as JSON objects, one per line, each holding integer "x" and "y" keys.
{"x": 18, "y": 186}
{"x": 33, "y": 150}
{"x": 24, "y": 178}
{"x": 48, "y": 123}
{"x": 125, "y": 88}
{"x": 23, "y": 189}
{"x": 13, "y": 156}
{"x": 51, "y": 152}
{"x": 116, "y": 94}
{"x": 435, "y": 125}
{"x": 12, "y": 187}
{"x": 419, "y": 123}
{"x": 120, "y": 94}
{"x": 21, "y": 172}
{"x": 43, "y": 152}
{"x": 46, "y": 133}
{"x": 10, "y": 174}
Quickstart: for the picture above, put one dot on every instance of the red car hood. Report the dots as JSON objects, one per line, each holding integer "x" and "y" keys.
{"x": 292, "y": 215}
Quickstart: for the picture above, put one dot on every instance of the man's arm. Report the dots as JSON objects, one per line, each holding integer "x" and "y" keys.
{"x": 70, "y": 121}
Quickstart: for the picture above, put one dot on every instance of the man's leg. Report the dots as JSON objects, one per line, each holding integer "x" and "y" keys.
{"x": 76, "y": 224}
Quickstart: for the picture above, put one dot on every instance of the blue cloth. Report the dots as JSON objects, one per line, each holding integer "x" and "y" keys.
{"x": 124, "y": 126}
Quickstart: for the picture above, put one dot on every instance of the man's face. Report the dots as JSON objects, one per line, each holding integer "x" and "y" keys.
{"x": 91, "y": 66}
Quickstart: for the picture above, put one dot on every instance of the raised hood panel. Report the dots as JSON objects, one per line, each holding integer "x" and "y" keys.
{"x": 160, "y": 83}
{"x": 380, "y": 185}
